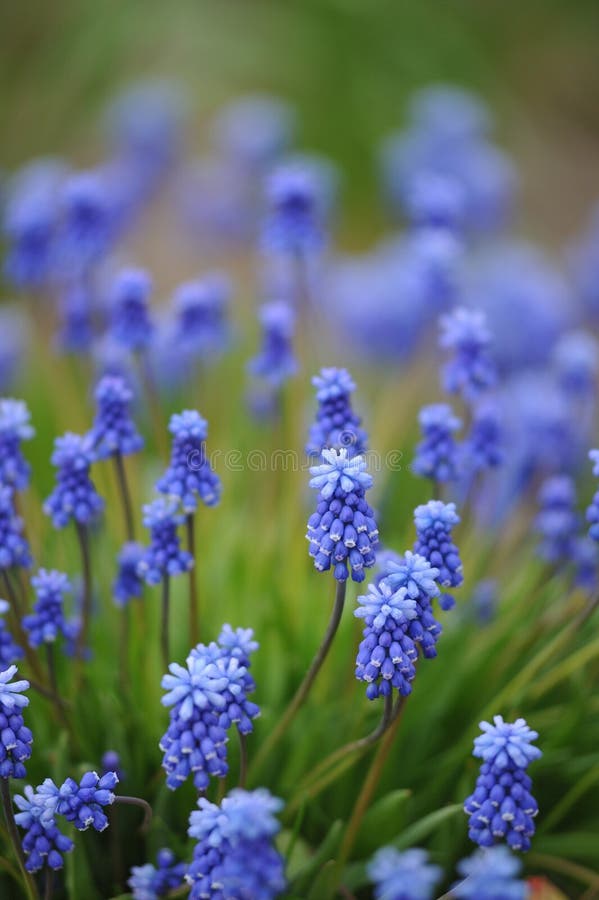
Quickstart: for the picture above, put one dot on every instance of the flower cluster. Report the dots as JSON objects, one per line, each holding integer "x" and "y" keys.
{"x": 336, "y": 423}
{"x": 74, "y": 497}
{"x": 87, "y": 221}
{"x": 343, "y": 530}
{"x": 387, "y": 654}
{"x": 490, "y": 874}
{"x": 471, "y": 370}
{"x": 502, "y": 807}
{"x": 76, "y": 329}
{"x": 130, "y": 323}
{"x": 190, "y": 475}
{"x": 403, "y": 876}
{"x": 437, "y": 454}
{"x": 128, "y": 583}
{"x": 15, "y": 737}
{"x": 80, "y": 803}
{"x": 414, "y": 574}
{"x": 10, "y": 651}
{"x": 14, "y": 549}
{"x": 14, "y": 428}
{"x": 234, "y": 857}
{"x": 201, "y": 327}
{"x": 434, "y": 522}
{"x": 150, "y": 882}
{"x": 47, "y": 620}
{"x": 593, "y": 509}
{"x": 293, "y": 223}
{"x": 114, "y": 431}
{"x": 44, "y": 844}
{"x": 557, "y": 521}
{"x": 276, "y": 361}
{"x": 483, "y": 446}
{"x": 207, "y": 696}
{"x": 164, "y": 557}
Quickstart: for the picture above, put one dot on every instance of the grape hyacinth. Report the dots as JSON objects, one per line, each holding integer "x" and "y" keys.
{"x": 434, "y": 522}
{"x": 44, "y": 844}
{"x": 130, "y": 323}
{"x": 406, "y": 875}
{"x": 10, "y": 652}
{"x": 14, "y": 428}
{"x": 150, "y": 882}
{"x": 164, "y": 557}
{"x": 80, "y": 803}
{"x": 128, "y": 584}
{"x": 190, "y": 475}
{"x": 483, "y": 446}
{"x": 502, "y": 807}
{"x": 275, "y": 362}
{"x": 74, "y": 497}
{"x": 343, "y": 530}
{"x": 418, "y": 578}
{"x": 114, "y": 431}
{"x": 490, "y": 874}
{"x": 15, "y": 737}
{"x": 14, "y": 549}
{"x": 557, "y": 521}
{"x": 201, "y": 327}
{"x": 471, "y": 370}
{"x": 593, "y": 509}
{"x": 293, "y": 223}
{"x": 235, "y": 857}
{"x": 47, "y": 620}
{"x": 336, "y": 423}
{"x": 436, "y": 455}
{"x": 87, "y": 221}
{"x": 76, "y": 329}
{"x": 207, "y": 696}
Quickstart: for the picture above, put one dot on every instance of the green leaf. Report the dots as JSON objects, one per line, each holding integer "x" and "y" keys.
{"x": 304, "y": 877}
{"x": 425, "y": 826}
{"x": 382, "y": 819}
{"x": 324, "y": 883}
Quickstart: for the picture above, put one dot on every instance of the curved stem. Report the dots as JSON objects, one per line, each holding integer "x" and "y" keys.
{"x": 15, "y": 839}
{"x": 142, "y": 804}
{"x": 17, "y": 611}
{"x": 49, "y": 884}
{"x": 309, "y": 678}
{"x": 194, "y": 606}
{"x": 243, "y": 759}
{"x": 121, "y": 474}
{"x": 82, "y": 637}
{"x": 164, "y": 631}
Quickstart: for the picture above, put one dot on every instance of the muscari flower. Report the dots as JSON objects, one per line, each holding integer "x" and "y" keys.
{"x": 593, "y": 509}
{"x": 576, "y": 363}
{"x": 557, "y": 521}
{"x": 471, "y": 370}
{"x": 201, "y": 327}
{"x": 47, "y": 620}
{"x": 235, "y": 857}
{"x": 436, "y": 456}
{"x": 15, "y": 737}
{"x": 15, "y": 427}
{"x": 87, "y": 226}
{"x": 10, "y": 651}
{"x": 164, "y": 557}
{"x": 44, "y": 844}
{"x": 406, "y": 875}
{"x": 130, "y": 323}
{"x": 434, "y": 523}
{"x": 14, "y": 549}
{"x": 150, "y": 882}
{"x": 293, "y": 223}
{"x": 254, "y": 130}
{"x": 336, "y": 423}
{"x": 207, "y": 696}
{"x": 74, "y": 497}
{"x": 114, "y": 430}
{"x": 128, "y": 583}
{"x": 490, "y": 874}
{"x": 482, "y": 447}
{"x": 343, "y": 530}
{"x": 80, "y": 803}
{"x": 76, "y": 329}
{"x": 502, "y": 807}
{"x": 435, "y": 200}
{"x": 190, "y": 475}
{"x": 387, "y": 653}
{"x": 111, "y": 762}
{"x": 13, "y": 330}
{"x": 414, "y": 574}
{"x": 276, "y": 361}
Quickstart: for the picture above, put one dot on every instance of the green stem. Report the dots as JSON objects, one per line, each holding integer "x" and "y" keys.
{"x": 121, "y": 475}
{"x": 142, "y": 804}
{"x": 243, "y": 759}
{"x": 86, "y": 611}
{"x": 164, "y": 632}
{"x": 15, "y": 839}
{"x": 194, "y": 605}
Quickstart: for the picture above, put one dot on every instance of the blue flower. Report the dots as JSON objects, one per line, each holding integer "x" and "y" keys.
{"x": 490, "y": 874}
{"x": 88, "y": 226}
{"x": 406, "y": 875}
{"x": 415, "y": 575}
{"x": 502, "y": 807}
{"x": 44, "y": 844}
{"x": 557, "y": 521}
{"x": 111, "y": 762}
{"x": 114, "y": 430}
{"x": 47, "y": 621}
{"x": 576, "y": 363}
{"x": 201, "y": 327}
{"x": 387, "y": 653}
{"x": 150, "y": 882}
{"x": 80, "y": 803}
{"x": 436, "y": 455}
{"x": 483, "y": 446}
{"x": 164, "y": 556}
{"x": 13, "y": 337}
{"x": 593, "y": 510}
{"x": 234, "y": 856}
{"x": 471, "y": 370}
{"x": 74, "y": 497}
{"x": 293, "y": 223}
{"x": 10, "y": 651}
{"x": 336, "y": 423}
{"x": 14, "y": 549}
{"x": 434, "y": 522}
{"x": 14, "y": 428}
{"x": 76, "y": 330}
{"x": 254, "y": 130}
{"x": 130, "y": 323}
{"x": 15, "y": 737}
{"x": 343, "y": 529}
{"x": 128, "y": 583}
{"x": 435, "y": 200}
{"x": 190, "y": 475}
{"x": 275, "y": 362}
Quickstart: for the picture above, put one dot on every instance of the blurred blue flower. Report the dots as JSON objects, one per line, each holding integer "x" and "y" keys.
{"x": 490, "y": 874}
{"x": 576, "y": 363}
{"x": 150, "y": 882}
{"x": 76, "y": 328}
{"x": 276, "y": 361}
{"x": 130, "y": 323}
{"x": 87, "y": 225}
{"x": 336, "y": 423}
{"x": 47, "y": 621}
{"x": 15, "y": 737}
{"x": 10, "y": 651}
{"x": 436, "y": 456}
{"x": 406, "y": 875}
{"x": 74, "y": 497}
{"x": 164, "y": 557}
{"x": 113, "y": 431}
{"x": 557, "y": 521}
{"x": 189, "y": 476}
{"x": 434, "y": 523}
{"x": 483, "y": 447}
{"x": 201, "y": 328}
{"x": 254, "y": 131}
{"x": 470, "y": 371}
{"x": 293, "y": 225}
{"x": 128, "y": 584}
{"x": 15, "y": 427}
{"x": 14, "y": 549}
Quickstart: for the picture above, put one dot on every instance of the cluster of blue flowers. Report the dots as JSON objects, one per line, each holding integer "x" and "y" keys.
{"x": 44, "y": 844}
{"x": 164, "y": 556}
{"x": 128, "y": 583}
{"x": 14, "y": 549}
{"x": 336, "y": 423}
{"x": 434, "y": 522}
{"x": 130, "y": 323}
{"x": 15, "y": 427}
{"x": 403, "y": 876}
{"x": 47, "y": 621}
{"x": 470, "y": 371}
{"x": 206, "y": 697}
{"x": 190, "y": 476}
{"x": 74, "y": 498}
{"x": 276, "y": 362}
{"x": 15, "y": 737}
{"x": 502, "y": 807}
{"x": 10, "y": 651}
{"x": 149, "y": 882}
{"x": 114, "y": 431}
{"x": 436, "y": 456}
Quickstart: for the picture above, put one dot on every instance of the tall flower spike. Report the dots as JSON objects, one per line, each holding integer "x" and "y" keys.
{"x": 415, "y": 575}
{"x": 490, "y": 874}
{"x": 47, "y": 620}
{"x": 80, "y": 803}
{"x": 434, "y": 523}
{"x": 128, "y": 584}
{"x": 150, "y": 882}
{"x": 14, "y": 549}
{"x": 201, "y": 327}
{"x": 74, "y": 498}
{"x": 207, "y": 697}
{"x": 557, "y": 521}
{"x": 593, "y": 509}
{"x": 483, "y": 446}
{"x": 502, "y": 807}
{"x": 44, "y": 844}
{"x": 114, "y": 430}
{"x": 10, "y": 652}
{"x": 436, "y": 455}
{"x": 336, "y": 423}
{"x": 130, "y": 323}
{"x": 87, "y": 221}
{"x": 15, "y": 737}
{"x": 471, "y": 370}
{"x": 406, "y": 875}
{"x": 164, "y": 556}
{"x": 235, "y": 855}
{"x": 275, "y": 362}
{"x": 76, "y": 328}
{"x": 14, "y": 428}
{"x": 190, "y": 475}
{"x": 342, "y": 531}
{"x": 293, "y": 224}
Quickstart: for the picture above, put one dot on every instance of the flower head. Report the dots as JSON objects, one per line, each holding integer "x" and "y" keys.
{"x": 336, "y": 426}
{"x": 88, "y": 225}
{"x": 130, "y": 323}
{"x": 201, "y": 327}
{"x": 47, "y": 621}
{"x": 276, "y": 361}
{"x": 114, "y": 431}
{"x": 150, "y": 882}
{"x": 128, "y": 583}
{"x": 190, "y": 476}
{"x": 406, "y": 875}
{"x": 506, "y": 744}
{"x": 164, "y": 557}
{"x": 10, "y": 651}
{"x": 15, "y": 737}
{"x": 490, "y": 874}
{"x": 14, "y": 428}
{"x": 437, "y": 454}
{"x": 340, "y": 470}
{"x": 557, "y": 521}
{"x": 74, "y": 497}
{"x": 14, "y": 549}
{"x": 293, "y": 223}
{"x": 44, "y": 844}
{"x": 434, "y": 522}
{"x": 471, "y": 370}
{"x": 81, "y": 803}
